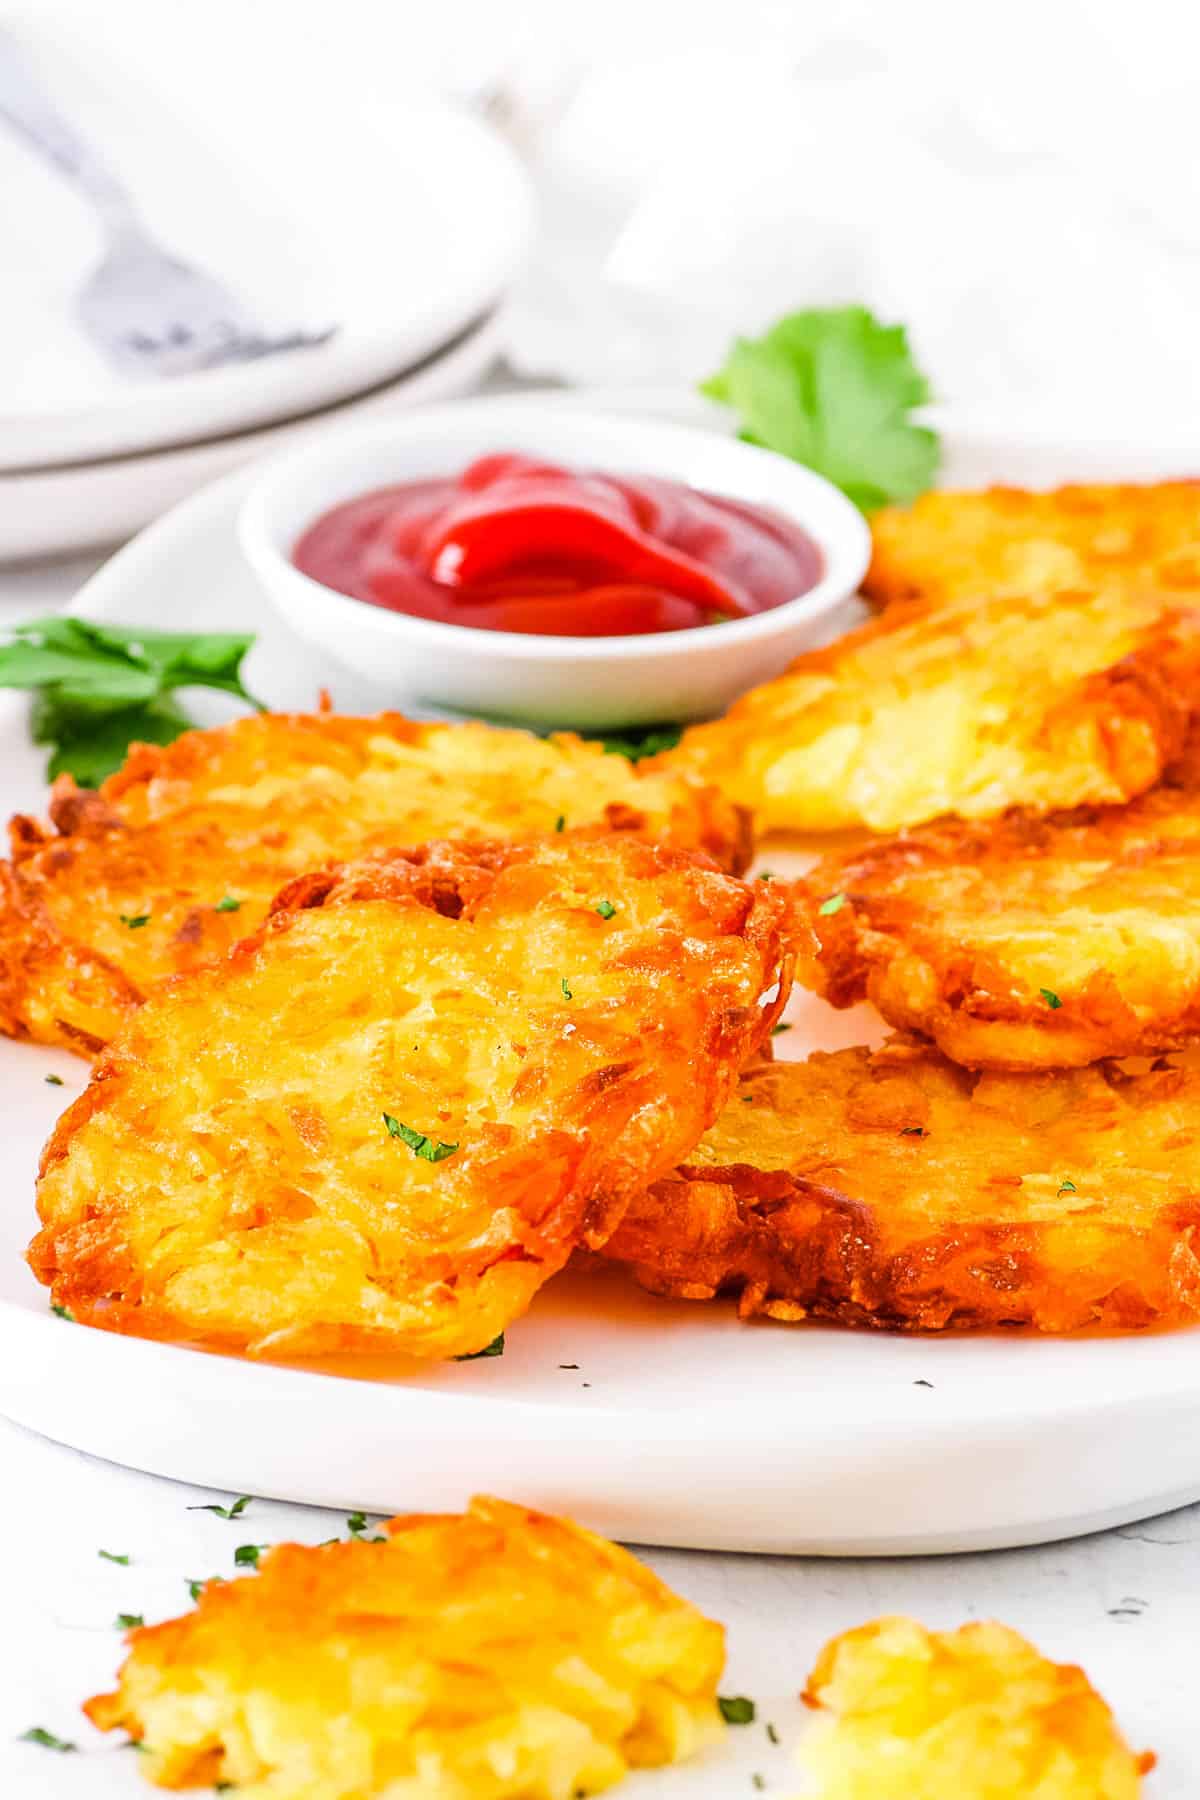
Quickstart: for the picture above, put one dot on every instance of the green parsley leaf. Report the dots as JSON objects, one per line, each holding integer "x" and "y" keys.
{"x": 1068, "y": 1187}
{"x": 224, "y": 1512}
{"x": 356, "y": 1524}
{"x": 772, "y": 1733}
{"x": 418, "y": 1143}
{"x": 495, "y": 1348}
{"x": 833, "y": 388}
{"x": 37, "y": 1734}
{"x": 246, "y": 1555}
{"x": 777, "y": 1030}
{"x": 765, "y": 875}
{"x": 834, "y": 904}
{"x": 736, "y": 1709}
{"x": 129, "y": 1621}
{"x": 759, "y": 1781}
{"x": 98, "y": 688}
{"x": 566, "y": 991}
{"x": 634, "y": 745}
{"x": 112, "y": 1556}
{"x": 53, "y": 1080}
{"x": 1052, "y": 1000}
{"x": 606, "y": 909}
{"x": 62, "y": 1312}
{"x": 196, "y": 1588}
{"x": 134, "y": 921}
{"x": 228, "y": 904}
{"x": 560, "y": 824}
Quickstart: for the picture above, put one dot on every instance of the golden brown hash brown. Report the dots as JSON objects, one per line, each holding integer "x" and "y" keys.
{"x": 546, "y": 1026}
{"x": 1025, "y": 943}
{"x": 891, "y": 1188}
{"x": 495, "y": 1655}
{"x": 972, "y": 1714}
{"x": 1043, "y": 700}
{"x": 180, "y": 852}
{"x": 1004, "y": 540}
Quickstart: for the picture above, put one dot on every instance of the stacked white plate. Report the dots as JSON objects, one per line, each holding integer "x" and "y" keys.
{"x": 403, "y": 230}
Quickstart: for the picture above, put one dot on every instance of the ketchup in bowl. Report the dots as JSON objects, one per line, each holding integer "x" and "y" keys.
{"x": 516, "y": 544}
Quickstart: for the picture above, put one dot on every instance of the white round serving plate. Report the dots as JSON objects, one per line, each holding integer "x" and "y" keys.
{"x": 656, "y": 1422}
{"x": 397, "y": 226}
{"x": 55, "y": 511}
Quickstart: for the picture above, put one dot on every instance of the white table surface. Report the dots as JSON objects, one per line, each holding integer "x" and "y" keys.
{"x": 1123, "y": 1603}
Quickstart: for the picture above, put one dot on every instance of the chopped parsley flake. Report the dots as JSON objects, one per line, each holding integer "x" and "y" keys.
{"x": 635, "y": 745}
{"x": 567, "y": 994}
{"x": 54, "y": 1080}
{"x": 1068, "y": 1187}
{"x": 246, "y": 1555}
{"x": 606, "y": 909}
{"x": 1052, "y": 1000}
{"x": 765, "y": 875}
{"x": 62, "y": 1312}
{"x": 356, "y": 1525}
{"x": 420, "y": 1145}
{"x": 112, "y": 1556}
{"x": 225, "y": 1512}
{"x": 772, "y": 1733}
{"x": 736, "y": 1709}
{"x": 560, "y": 824}
{"x": 779, "y": 1029}
{"x": 495, "y": 1348}
{"x": 228, "y": 904}
{"x": 196, "y": 1588}
{"x": 760, "y": 1781}
{"x": 834, "y": 904}
{"x": 912, "y": 1131}
{"x": 134, "y": 921}
{"x": 129, "y": 1621}
{"x": 37, "y": 1734}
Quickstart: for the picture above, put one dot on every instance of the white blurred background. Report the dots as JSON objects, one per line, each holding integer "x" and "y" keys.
{"x": 1020, "y": 184}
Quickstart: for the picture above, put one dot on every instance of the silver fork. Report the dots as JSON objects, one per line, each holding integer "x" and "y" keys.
{"x": 144, "y": 310}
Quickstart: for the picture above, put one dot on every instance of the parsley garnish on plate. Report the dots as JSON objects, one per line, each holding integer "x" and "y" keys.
{"x": 228, "y": 904}
{"x": 62, "y": 1312}
{"x": 736, "y": 1709}
{"x": 495, "y": 1348}
{"x": 1068, "y": 1187}
{"x": 633, "y": 745}
{"x": 772, "y": 1733}
{"x": 98, "y": 688}
{"x": 37, "y": 1734}
{"x": 196, "y": 1587}
{"x": 605, "y": 908}
{"x": 566, "y": 991}
{"x": 53, "y": 1080}
{"x": 418, "y": 1143}
{"x": 1052, "y": 1000}
{"x": 112, "y": 1556}
{"x": 246, "y": 1555}
{"x": 778, "y": 1030}
{"x": 134, "y": 921}
{"x": 129, "y": 1621}
{"x": 834, "y": 389}
{"x": 560, "y": 824}
{"x": 224, "y": 1512}
{"x": 834, "y": 904}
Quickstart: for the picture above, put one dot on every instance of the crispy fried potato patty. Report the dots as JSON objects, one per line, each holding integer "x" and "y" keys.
{"x": 1025, "y": 943}
{"x": 1043, "y": 700}
{"x": 180, "y": 852}
{"x": 891, "y": 1188}
{"x": 1004, "y": 540}
{"x": 972, "y": 1714}
{"x": 495, "y": 1655}
{"x": 391, "y": 1115}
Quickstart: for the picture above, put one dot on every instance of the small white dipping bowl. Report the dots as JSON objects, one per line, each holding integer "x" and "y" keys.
{"x": 589, "y": 682}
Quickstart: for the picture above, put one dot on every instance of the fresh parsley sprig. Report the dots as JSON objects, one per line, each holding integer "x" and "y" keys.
{"x": 98, "y": 688}
{"x": 833, "y": 388}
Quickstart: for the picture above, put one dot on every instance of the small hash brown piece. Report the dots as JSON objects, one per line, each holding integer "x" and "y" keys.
{"x": 1025, "y": 943}
{"x": 973, "y": 1714}
{"x": 495, "y": 1655}
{"x": 388, "y": 1118}
{"x": 181, "y": 851}
{"x": 1044, "y": 700}
{"x": 891, "y": 1188}
{"x": 1005, "y": 540}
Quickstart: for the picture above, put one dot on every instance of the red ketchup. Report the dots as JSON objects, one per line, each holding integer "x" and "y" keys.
{"x": 513, "y": 544}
